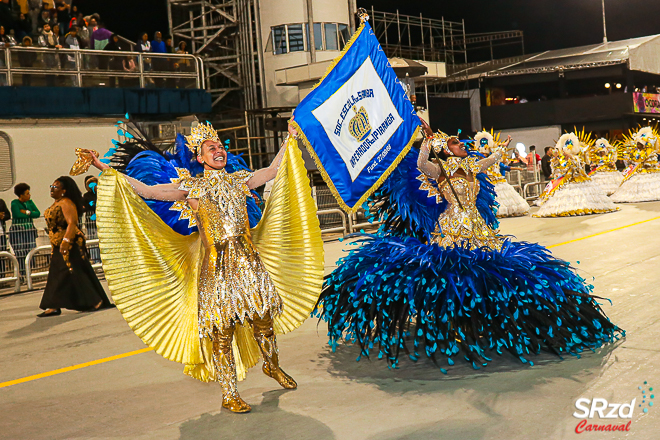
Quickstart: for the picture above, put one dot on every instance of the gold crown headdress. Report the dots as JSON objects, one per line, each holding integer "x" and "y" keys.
{"x": 439, "y": 141}
{"x": 199, "y": 134}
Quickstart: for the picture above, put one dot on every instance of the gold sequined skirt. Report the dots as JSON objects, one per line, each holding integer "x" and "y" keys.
{"x": 234, "y": 285}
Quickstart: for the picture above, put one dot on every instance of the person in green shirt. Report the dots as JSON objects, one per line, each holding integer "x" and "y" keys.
{"x": 23, "y": 234}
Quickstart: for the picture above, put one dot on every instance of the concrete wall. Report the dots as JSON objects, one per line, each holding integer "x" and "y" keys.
{"x": 279, "y": 12}
{"x": 540, "y": 136}
{"x": 45, "y": 149}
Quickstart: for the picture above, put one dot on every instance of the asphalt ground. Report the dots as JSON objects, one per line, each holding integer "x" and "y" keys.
{"x": 87, "y": 376}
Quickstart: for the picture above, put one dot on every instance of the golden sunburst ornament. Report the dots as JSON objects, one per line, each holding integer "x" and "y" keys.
{"x": 182, "y": 205}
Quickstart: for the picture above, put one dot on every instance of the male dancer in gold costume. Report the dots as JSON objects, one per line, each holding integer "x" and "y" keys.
{"x": 235, "y": 292}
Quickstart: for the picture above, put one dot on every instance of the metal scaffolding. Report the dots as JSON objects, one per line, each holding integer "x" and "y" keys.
{"x": 439, "y": 40}
{"x": 225, "y": 33}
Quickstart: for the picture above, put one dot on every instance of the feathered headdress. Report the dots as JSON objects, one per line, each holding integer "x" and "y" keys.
{"x": 569, "y": 143}
{"x": 484, "y": 141}
{"x": 647, "y": 137}
{"x": 199, "y": 134}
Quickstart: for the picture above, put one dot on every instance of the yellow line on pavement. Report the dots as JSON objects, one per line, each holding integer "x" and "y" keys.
{"x": 73, "y": 367}
{"x": 602, "y": 233}
{"x": 144, "y": 350}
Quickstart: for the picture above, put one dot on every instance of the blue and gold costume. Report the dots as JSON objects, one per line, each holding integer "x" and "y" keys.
{"x": 438, "y": 278}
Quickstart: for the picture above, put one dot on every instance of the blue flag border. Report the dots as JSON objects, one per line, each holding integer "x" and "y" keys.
{"x": 324, "y": 174}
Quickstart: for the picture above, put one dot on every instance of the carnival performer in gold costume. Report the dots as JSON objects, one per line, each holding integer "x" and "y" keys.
{"x": 214, "y": 300}
{"x": 641, "y": 178}
{"x": 602, "y": 157}
{"x": 572, "y": 192}
{"x": 510, "y": 203}
{"x": 439, "y": 279}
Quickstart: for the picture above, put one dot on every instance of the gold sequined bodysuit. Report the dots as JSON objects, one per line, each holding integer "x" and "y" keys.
{"x": 459, "y": 225}
{"x": 464, "y": 226}
{"x": 234, "y": 284}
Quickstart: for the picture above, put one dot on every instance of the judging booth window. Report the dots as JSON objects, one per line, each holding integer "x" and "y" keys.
{"x": 7, "y": 172}
{"x": 279, "y": 40}
{"x": 296, "y": 38}
{"x": 330, "y": 36}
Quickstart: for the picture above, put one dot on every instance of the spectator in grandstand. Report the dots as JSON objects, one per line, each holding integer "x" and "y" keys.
{"x": 168, "y": 45}
{"x": 34, "y": 12}
{"x": 23, "y": 26}
{"x": 74, "y": 14}
{"x": 100, "y": 38}
{"x": 71, "y": 41}
{"x": 158, "y": 45}
{"x": 43, "y": 19}
{"x": 49, "y": 40}
{"x": 26, "y": 58}
{"x": 159, "y": 64}
{"x": 93, "y": 24}
{"x": 55, "y": 27}
{"x": 144, "y": 46}
{"x": 63, "y": 14}
{"x": 6, "y": 40}
{"x": 72, "y": 282}
{"x": 6, "y": 15}
{"x": 22, "y": 234}
{"x": 83, "y": 32}
{"x": 115, "y": 63}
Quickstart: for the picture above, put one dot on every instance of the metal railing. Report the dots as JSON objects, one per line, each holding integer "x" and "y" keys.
{"x": 532, "y": 185}
{"x": 16, "y": 278}
{"x": 37, "y": 66}
{"x": 29, "y": 274}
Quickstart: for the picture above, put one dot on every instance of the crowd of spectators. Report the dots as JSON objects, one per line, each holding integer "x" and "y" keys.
{"x": 59, "y": 24}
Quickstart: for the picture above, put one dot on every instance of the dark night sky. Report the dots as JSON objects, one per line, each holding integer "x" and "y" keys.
{"x": 547, "y": 24}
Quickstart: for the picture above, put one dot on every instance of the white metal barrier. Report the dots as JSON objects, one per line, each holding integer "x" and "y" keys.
{"x": 29, "y": 275}
{"x": 529, "y": 185}
{"x": 17, "y": 274}
{"x": 341, "y": 213}
{"x": 352, "y": 226}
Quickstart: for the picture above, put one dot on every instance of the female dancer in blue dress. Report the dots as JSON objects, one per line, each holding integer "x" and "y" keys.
{"x": 438, "y": 278}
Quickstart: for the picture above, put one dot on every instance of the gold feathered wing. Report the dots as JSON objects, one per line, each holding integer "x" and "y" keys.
{"x": 289, "y": 242}
{"x": 152, "y": 271}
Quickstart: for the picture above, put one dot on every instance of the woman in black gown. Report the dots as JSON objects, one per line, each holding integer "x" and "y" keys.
{"x": 72, "y": 283}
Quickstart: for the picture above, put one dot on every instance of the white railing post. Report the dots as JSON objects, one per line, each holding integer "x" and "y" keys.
{"x": 10, "y": 79}
{"x": 17, "y": 273}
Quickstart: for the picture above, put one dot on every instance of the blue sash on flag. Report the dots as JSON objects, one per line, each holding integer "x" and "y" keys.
{"x": 358, "y": 122}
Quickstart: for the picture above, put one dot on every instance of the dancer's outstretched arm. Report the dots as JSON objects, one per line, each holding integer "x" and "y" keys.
{"x": 423, "y": 163}
{"x": 260, "y": 177}
{"x": 166, "y": 192}
{"x": 486, "y": 163}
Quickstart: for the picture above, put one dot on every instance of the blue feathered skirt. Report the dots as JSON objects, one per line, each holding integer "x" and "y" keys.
{"x": 395, "y": 295}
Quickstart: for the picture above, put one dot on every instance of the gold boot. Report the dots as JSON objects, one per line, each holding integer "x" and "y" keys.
{"x": 225, "y": 371}
{"x": 263, "y": 333}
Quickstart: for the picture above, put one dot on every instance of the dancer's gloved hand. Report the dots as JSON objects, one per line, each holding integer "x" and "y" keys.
{"x": 96, "y": 161}
{"x": 428, "y": 132}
